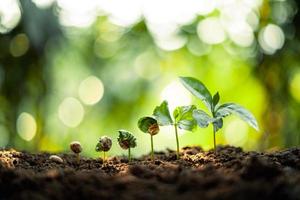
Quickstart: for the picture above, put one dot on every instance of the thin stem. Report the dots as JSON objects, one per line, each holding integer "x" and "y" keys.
{"x": 78, "y": 158}
{"x": 129, "y": 155}
{"x": 214, "y": 130}
{"x": 103, "y": 156}
{"x": 152, "y": 152}
{"x": 177, "y": 140}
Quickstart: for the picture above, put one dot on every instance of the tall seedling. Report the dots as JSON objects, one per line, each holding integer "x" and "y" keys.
{"x": 218, "y": 112}
{"x": 182, "y": 118}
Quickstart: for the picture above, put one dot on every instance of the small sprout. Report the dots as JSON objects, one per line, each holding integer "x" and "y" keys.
{"x": 126, "y": 141}
{"x": 104, "y": 145}
{"x": 149, "y": 125}
{"x": 56, "y": 159}
{"x": 182, "y": 118}
{"x": 218, "y": 112}
{"x": 76, "y": 148}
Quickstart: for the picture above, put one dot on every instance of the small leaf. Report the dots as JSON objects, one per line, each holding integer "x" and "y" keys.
{"x": 218, "y": 124}
{"x": 183, "y": 116}
{"x": 232, "y": 108}
{"x": 162, "y": 114}
{"x": 216, "y": 99}
{"x": 145, "y": 124}
{"x": 126, "y": 139}
{"x": 202, "y": 118}
{"x": 198, "y": 89}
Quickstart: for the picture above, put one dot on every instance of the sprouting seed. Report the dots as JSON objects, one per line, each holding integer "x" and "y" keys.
{"x": 149, "y": 125}
{"x": 104, "y": 145}
{"x": 127, "y": 141}
{"x": 76, "y": 148}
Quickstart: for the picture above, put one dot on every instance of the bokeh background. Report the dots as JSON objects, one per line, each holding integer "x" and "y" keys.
{"x": 77, "y": 70}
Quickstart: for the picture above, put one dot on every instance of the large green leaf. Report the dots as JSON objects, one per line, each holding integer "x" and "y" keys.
{"x": 198, "y": 89}
{"x": 145, "y": 122}
{"x": 183, "y": 116}
{"x": 202, "y": 118}
{"x": 162, "y": 114}
{"x": 232, "y": 108}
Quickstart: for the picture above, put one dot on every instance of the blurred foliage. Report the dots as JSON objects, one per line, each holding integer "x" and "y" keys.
{"x": 61, "y": 83}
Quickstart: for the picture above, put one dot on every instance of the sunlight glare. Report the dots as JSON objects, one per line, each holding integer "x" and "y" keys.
{"x": 26, "y": 126}
{"x": 71, "y": 112}
{"x": 210, "y": 31}
{"x": 91, "y": 90}
{"x": 271, "y": 38}
{"x": 10, "y": 15}
{"x": 176, "y": 95}
{"x": 236, "y": 132}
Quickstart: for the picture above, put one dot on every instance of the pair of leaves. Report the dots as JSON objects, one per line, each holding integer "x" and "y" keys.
{"x": 126, "y": 139}
{"x": 198, "y": 89}
{"x": 147, "y": 125}
{"x": 183, "y": 116}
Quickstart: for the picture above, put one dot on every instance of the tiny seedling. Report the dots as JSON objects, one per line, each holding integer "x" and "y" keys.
{"x": 183, "y": 119}
{"x": 149, "y": 125}
{"x": 104, "y": 145}
{"x": 127, "y": 141}
{"x": 76, "y": 148}
{"x": 218, "y": 112}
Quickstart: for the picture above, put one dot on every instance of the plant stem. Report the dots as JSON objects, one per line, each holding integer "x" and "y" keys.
{"x": 78, "y": 158}
{"x": 103, "y": 156}
{"x": 177, "y": 140}
{"x": 152, "y": 152}
{"x": 129, "y": 155}
{"x": 214, "y": 130}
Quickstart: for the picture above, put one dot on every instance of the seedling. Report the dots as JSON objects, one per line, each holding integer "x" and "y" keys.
{"x": 76, "y": 148}
{"x": 126, "y": 141}
{"x": 218, "y": 112}
{"x": 104, "y": 145}
{"x": 149, "y": 125}
{"x": 183, "y": 119}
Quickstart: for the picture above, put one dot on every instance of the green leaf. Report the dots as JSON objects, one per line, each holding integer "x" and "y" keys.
{"x": 232, "y": 108}
{"x": 183, "y": 116}
{"x": 216, "y": 99}
{"x": 218, "y": 124}
{"x": 202, "y": 118}
{"x": 145, "y": 122}
{"x": 162, "y": 114}
{"x": 198, "y": 89}
{"x": 126, "y": 139}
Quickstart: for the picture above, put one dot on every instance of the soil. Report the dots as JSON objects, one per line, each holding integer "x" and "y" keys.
{"x": 229, "y": 174}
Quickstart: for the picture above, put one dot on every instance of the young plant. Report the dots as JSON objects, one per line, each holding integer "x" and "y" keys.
{"x": 126, "y": 141}
{"x": 76, "y": 148}
{"x": 182, "y": 118}
{"x": 149, "y": 125}
{"x": 218, "y": 112}
{"x": 104, "y": 145}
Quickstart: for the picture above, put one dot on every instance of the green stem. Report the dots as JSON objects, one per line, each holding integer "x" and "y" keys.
{"x": 177, "y": 140}
{"x": 214, "y": 130}
{"x": 129, "y": 155}
{"x": 103, "y": 156}
{"x": 152, "y": 152}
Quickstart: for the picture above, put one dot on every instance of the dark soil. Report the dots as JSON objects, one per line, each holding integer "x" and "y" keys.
{"x": 231, "y": 174}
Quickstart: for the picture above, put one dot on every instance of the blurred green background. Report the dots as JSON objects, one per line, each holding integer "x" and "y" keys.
{"x": 77, "y": 70}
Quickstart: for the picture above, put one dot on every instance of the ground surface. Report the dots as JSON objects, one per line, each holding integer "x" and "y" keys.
{"x": 231, "y": 174}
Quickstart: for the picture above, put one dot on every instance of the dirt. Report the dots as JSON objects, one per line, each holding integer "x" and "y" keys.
{"x": 229, "y": 174}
